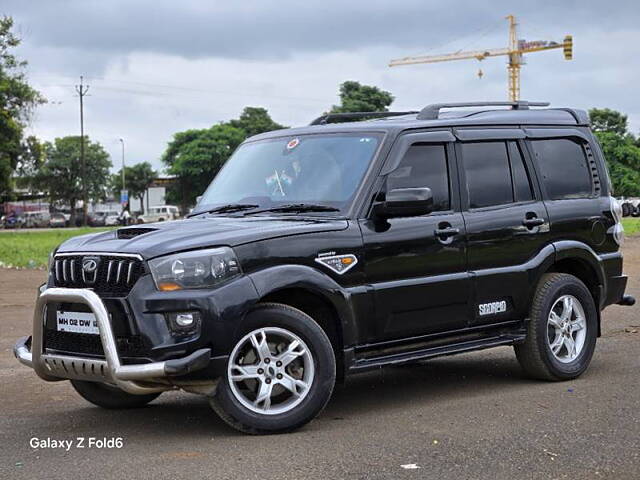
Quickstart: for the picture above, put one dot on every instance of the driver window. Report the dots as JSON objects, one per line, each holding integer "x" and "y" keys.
{"x": 424, "y": 165}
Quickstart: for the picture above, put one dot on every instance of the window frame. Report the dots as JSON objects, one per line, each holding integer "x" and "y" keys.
{"x": 399, "y": 148}
{"x": 494, "y": 137}
{"x": 561, "y": 135}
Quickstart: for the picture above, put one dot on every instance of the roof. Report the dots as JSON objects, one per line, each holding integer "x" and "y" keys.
{"x": 480, "y": 114}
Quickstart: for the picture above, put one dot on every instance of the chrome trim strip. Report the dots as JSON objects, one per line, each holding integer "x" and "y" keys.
{"x": 73, "y": 270}
{"x": 129, "y": 272}
{"x": 120, "y": 265}
{"x": 64, "y": 270}
{"x": 109, "y": 270}
{"x": 58, "y": 270}
{"x": 107, "y": 254}
{"x": 56, "y": 367}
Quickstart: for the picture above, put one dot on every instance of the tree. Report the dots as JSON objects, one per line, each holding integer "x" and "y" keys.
{"x": 620, "y": 150}
{"x": 606, "y": 120}
{"x": 61, "y": 173}
{"x": 355, "y": 97}
{"x": 255, "y": 120}
{"x": 17, "y": 101}
{"x": 137, "y": 179}
{"x": 196, "y": 156}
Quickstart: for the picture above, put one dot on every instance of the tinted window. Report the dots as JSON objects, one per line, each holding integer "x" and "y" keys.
{"x": 488, "y": 174}
{"x": 521, "y": 182}
{"x": 424, "y": 166}
{"x": 563, "y": 167}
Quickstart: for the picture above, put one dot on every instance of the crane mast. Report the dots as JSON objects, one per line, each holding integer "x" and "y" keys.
{"x": 514, "y": 51}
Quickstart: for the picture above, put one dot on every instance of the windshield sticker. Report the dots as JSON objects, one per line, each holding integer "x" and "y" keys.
{"x": 293, "y": 144}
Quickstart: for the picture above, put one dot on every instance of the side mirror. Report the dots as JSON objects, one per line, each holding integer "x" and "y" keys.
{"x": 198, "y": 198}
{"x": 406, "y": 202}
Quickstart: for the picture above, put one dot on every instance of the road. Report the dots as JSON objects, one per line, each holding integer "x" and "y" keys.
{"x": 470, "y": 416}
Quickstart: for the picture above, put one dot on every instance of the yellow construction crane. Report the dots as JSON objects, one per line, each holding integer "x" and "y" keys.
{"x": 515, "y": 51}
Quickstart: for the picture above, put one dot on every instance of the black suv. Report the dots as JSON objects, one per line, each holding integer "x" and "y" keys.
{"x": 340, "y": 247}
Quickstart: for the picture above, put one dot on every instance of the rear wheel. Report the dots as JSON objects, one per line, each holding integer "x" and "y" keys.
{"x": 280, "y": 374}
{"x": 562, "y": 330}
{"x": 106, "y": 396}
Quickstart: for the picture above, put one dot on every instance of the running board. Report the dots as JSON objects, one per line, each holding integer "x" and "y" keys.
{"x": 362, "y": 364}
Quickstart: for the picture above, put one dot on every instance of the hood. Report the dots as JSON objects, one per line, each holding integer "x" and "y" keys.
{"x": 155, "y": 239}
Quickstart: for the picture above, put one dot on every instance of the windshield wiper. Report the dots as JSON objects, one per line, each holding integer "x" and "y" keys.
{"x": 231, "y": 207}
{"x": 297, "y": 208}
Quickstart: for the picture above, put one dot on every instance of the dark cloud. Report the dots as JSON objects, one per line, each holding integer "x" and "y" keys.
{"x": 255, "y": 29}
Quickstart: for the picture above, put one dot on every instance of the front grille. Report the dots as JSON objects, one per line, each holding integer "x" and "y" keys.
{"x": 113, "y": 275}
{"x": 83, "y": 344}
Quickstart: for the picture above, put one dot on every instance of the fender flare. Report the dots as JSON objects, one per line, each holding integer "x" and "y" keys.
{"x": 571, "y": 249}
{"x": 272, "y": 279}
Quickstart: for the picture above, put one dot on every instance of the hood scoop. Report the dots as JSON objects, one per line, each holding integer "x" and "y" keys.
{"x": 127, "y": 233}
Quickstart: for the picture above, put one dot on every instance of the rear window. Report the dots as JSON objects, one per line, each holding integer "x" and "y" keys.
{"x": 564, "y": 169}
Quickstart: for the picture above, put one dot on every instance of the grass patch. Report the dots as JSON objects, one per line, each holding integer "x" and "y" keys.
{"x": 631, "y": 225}
{"x": 30, "y": 249}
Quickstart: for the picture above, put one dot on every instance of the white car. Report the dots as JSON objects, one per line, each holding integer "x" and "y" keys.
{"x": 112, "y": 218}
{"x": 159, "y": 214}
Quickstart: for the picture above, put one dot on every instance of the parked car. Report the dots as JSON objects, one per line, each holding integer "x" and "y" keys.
{"x": 97, "y": 219}
{"x": 159, "y": 214}
{"x": 39, "y": 219}
{"x": 57, "y": 220}
{"x": 345, "y": 248}
{"x": 112, "y": 218}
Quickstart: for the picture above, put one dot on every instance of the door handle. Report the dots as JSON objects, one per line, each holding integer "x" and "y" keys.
{"x": 446, "y": 232}
{"x": 533, "y": 222}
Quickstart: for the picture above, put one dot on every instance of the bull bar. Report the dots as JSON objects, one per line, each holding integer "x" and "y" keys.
{"x": 53, "y": 367}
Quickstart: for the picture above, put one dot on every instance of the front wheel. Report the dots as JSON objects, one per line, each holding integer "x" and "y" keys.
{"x": 280, "y": 374}
{"x": 106, "y": 396}
{"x": 562, "y": 330}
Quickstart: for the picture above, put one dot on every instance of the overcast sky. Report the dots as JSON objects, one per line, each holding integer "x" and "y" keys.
{"x": 158, "y": 67}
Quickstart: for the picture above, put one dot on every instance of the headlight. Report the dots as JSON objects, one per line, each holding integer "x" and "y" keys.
{"x": 197, "y": 269}
{"x": 52, "y": 254}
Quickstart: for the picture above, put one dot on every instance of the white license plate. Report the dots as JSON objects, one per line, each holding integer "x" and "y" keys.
{"x": 77, "y": 322}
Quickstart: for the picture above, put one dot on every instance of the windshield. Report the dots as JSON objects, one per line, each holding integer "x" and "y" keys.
{"x": 311, "y": 169}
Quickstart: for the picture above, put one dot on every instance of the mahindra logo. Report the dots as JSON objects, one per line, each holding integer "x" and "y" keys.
{"x": 90, "y": 269}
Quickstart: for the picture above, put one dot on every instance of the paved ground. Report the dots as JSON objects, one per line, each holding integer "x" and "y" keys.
{"x": 470, "y": 416}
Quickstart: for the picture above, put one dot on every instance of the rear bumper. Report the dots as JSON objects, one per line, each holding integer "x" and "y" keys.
{"x": 53, "y": 367}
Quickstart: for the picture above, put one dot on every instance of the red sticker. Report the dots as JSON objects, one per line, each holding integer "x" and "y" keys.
{"x": 293, "y": 144}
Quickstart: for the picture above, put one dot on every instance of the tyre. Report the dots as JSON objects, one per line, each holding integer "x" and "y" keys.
{"x": 106, "y": 396}
{"x": 562, "y": 329}
{"x": 280, "y": 374}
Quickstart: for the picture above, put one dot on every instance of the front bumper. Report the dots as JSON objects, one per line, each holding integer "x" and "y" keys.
{"x": 54, "y": 367}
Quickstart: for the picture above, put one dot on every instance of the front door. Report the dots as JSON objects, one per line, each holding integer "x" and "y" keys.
{"x": 416, "y": 265}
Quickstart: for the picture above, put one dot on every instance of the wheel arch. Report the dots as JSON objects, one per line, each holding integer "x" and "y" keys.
{"x": 315, "y": 294}
{"x": 579, "y": 260}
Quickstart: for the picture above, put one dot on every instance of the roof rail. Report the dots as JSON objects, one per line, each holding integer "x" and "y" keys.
{"x": 432, "y": 112}
{"x": 331, "y": 117}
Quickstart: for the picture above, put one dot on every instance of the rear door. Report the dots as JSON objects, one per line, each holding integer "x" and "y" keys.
{"x": 506, "y": 221}
{"x": 416, "y": 265}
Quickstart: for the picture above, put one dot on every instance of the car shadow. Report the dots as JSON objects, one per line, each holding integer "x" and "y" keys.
{"x": 431, "y": 382}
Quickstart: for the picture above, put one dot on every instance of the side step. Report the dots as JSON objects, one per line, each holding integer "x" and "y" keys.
{"x": 362, "y": 364}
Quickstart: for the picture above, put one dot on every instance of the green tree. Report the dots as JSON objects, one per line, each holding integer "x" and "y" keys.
{"x": 138, "y": 177}
{"x": 17, "y": 102}
{"x": 620, "y": 150}
{"x": 607, "y": 120}
{"x": 255, "y": 120}
{"x": 355, "y": 97}
{"x": 61, "y": 176}
{"x": 29, "y": 163}
{"x": 196, "y": 156}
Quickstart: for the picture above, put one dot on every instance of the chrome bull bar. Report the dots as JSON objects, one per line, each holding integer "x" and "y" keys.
{"x": 52, "y": 367}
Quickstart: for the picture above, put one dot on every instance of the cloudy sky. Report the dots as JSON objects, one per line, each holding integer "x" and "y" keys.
{"x": 157, "y": 67}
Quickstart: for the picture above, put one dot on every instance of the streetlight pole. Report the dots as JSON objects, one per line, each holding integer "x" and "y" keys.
{"x": 122, "y": 142}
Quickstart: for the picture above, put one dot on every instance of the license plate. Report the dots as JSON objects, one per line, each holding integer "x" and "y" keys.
{"x": 77, "y": 322}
